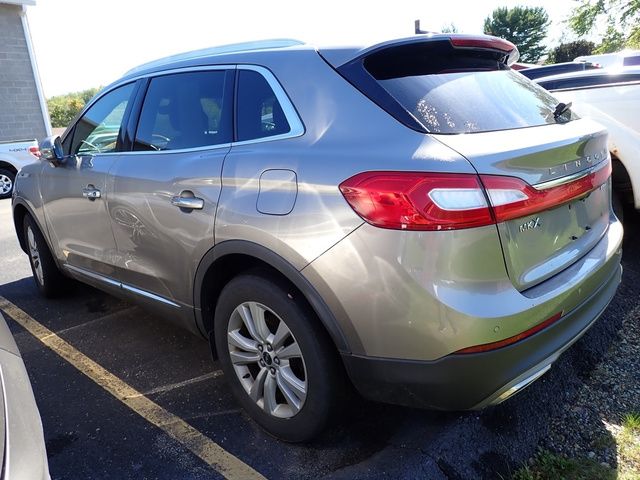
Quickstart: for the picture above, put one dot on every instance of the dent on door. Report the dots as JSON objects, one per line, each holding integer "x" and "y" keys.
{"x": 278, "y": 192}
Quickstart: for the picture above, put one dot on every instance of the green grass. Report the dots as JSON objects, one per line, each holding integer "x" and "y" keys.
{"x": 629, "y": 447}
{"x": 549, "y": 466}
{"x": 631, "y": 422}
{"x": 626, "y": 440}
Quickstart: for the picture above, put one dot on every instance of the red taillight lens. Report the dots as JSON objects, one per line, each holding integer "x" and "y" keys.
{"x": 486, "y": 347}
{"x": 513, "y": 198}
{"x": 493, "y": 43}
{"x": 487, "y": 42}
{"x": 35, "y": 151}
{"x": 450, "y": 201}
{"x": 418, "y": 201}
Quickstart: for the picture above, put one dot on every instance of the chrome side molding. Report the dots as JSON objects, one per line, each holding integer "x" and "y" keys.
{"x": 117, "y": 284}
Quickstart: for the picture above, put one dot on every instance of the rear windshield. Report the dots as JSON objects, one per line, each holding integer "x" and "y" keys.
{"x": 462, "y": 92}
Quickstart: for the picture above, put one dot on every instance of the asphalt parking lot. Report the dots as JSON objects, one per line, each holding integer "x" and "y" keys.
{"x": 91, "y": 434}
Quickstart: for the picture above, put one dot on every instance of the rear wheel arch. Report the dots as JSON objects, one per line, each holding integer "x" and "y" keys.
{"x": 8, "y": 166}
{"x": 621, "y": 182}
{"x": 231, "y": 258}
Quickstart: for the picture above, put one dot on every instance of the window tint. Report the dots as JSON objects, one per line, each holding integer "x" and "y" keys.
{"x": 469, "y": 102}
{"x": 434, "y": 87}
{"x": 588, "y": 81}
{"x": 258, "y": 110}
{"x": 98, "y": 129}
{"x": 185, "y": 110}
{"x": 635, "y": 60}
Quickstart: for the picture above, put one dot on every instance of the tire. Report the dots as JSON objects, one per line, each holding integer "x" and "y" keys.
{"x": 618, "y": 205}
{"x": 46, "y": 275}
{"x": 301, "y": 405}
{"x": 7, "y": 182}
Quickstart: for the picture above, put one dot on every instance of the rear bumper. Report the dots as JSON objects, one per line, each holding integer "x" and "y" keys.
{"x": 472, "y": 381}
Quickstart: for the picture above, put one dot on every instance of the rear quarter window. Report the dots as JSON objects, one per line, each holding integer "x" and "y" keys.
{"x": 259, "y": 113}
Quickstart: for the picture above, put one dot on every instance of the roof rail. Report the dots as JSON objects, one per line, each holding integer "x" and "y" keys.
{"x": 222, "y": 49}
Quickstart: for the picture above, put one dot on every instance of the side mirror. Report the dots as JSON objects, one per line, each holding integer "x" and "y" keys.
{"x": 51, "y": 150}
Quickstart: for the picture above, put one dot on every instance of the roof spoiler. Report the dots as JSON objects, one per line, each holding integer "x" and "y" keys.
{"x": 340, "y": 57}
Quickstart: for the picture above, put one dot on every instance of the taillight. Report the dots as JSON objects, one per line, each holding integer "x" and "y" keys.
{"x": 484, "y": 41}
{"x": 451, "y": 201}
{"x": 418, "y": 201}
{"x": 35, "y": 151}
{"x": 512, "y": 198}
{"x": 487, "y": 42}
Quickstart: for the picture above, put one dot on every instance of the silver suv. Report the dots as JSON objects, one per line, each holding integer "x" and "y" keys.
{"x": 413, "y": 219}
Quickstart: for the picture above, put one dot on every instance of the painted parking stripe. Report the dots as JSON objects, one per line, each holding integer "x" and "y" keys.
{"x": 209, "y": 451}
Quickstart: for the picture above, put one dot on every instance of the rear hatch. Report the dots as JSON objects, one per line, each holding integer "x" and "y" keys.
{"x": 545, "y": 172}
{"x": 568, "y": 159}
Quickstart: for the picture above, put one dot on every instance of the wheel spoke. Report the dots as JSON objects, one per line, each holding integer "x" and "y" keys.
{"x": 243, "y": 358}
{"x": 257, "y": 314}
{"x": 293, "y": 389}
{"x": 247, "y": 319}
{"x": 257, "y": 388}
{"x": 269, "y": 398}
{"x": 290, "y": 351}
{"x": 243, "y": 343}
{"x": 32, "y": 240}
{"x": 281, "y": 335}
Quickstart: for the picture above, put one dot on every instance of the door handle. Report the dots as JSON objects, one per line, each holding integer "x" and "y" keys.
{"x": 188, "y": 201}
{"x": 91, "y": 192}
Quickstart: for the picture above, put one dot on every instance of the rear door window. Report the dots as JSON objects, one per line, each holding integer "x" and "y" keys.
{"x": 259, "y": 112}
{"x": 185, "y": 110}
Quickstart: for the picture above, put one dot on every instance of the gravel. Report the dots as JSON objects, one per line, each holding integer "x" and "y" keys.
{"x": 588, "y": 425}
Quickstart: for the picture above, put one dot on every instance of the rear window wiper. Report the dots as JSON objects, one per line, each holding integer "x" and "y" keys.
{"x": 560, "y": 109}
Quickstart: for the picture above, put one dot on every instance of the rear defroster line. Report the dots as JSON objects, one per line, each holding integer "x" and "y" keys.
{"x": 195, "y": 441}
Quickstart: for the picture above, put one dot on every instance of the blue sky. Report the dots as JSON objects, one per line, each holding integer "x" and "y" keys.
{"x": 85, "y": 43}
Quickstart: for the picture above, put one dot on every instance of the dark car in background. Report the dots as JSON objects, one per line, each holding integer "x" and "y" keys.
{"x": 557, "y": 69}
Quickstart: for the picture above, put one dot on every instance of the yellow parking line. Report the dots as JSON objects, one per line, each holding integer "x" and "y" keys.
{"x": 198, "y": 443}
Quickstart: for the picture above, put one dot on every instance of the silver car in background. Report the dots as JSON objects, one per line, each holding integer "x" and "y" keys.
{"x": 412, "y": 218}
{"x": 21, "y": 440}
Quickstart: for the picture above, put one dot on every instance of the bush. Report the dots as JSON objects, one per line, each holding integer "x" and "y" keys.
{"x": 64, "y": 108}
{"x": 566, "y": 52}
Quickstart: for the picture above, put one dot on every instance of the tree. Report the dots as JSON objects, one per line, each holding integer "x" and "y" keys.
{"x": 525, "y": 27}
{"x": 623, "y": 22}
{"x": 566, "y": 52}
{"x": 613, "y": 41}
{"x": 63, "y": 108}
{"x": 450, "y": 28}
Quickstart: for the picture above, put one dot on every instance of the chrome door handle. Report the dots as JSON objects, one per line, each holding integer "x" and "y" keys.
{"x": 187, "y": 201}
{"x": 91, "y": 192}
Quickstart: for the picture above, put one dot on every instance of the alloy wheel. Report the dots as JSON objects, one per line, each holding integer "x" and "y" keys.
{"x": 6, "y": 184}
{"x": 267, "y": 360}
{"x": 34, "y": 256}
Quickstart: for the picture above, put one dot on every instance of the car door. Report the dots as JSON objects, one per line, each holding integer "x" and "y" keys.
{"x": 75, "y": 192}
{"x": 165, "y": 191}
